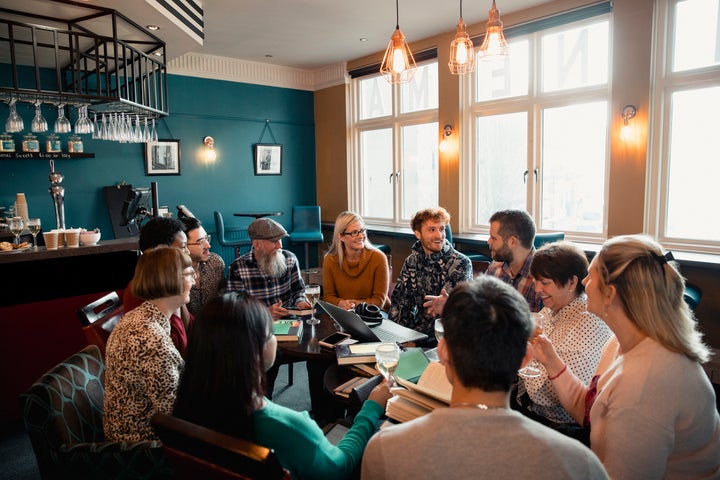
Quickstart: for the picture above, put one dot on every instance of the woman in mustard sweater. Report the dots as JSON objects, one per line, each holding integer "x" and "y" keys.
{"x": 353, "y": 270}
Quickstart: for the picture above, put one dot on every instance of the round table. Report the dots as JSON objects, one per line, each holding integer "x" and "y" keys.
{"x": 308, "y": 347}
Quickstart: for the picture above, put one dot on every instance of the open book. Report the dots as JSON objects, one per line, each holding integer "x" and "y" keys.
{"x": 432, "y": 391}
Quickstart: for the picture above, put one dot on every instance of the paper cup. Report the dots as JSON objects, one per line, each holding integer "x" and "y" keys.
{"x": 61, "y": 236}
{"x": 51, "y": 240}
{"x": 72, "y": 237}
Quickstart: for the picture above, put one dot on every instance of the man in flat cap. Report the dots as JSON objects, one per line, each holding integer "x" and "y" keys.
{"x": 267, "y": 272}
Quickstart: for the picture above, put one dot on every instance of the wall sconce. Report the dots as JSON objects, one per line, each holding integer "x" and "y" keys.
{"x": 445, "y": 142}
{"x": 209, "y": 143}
{"x": 627, "y": 131}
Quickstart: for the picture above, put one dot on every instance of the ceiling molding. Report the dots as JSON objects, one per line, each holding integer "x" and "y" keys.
{"x": 236, "y": 70}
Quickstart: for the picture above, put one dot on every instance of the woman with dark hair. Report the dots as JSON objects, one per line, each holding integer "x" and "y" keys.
{"x": 650, "y": 404}
{"x": 230, "y": 347}
{"x": 143, "y": 365}
{"x": 557, "y": 270}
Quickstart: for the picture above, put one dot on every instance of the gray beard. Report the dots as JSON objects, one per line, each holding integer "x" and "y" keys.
{"x": 273, "y": 266}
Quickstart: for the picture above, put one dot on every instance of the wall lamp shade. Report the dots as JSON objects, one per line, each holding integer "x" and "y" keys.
{"x": 494, "y": 46}
{"x": 398, "y": 65}
{"x": 209, "y": 143}
{"x": 627, "y": 131}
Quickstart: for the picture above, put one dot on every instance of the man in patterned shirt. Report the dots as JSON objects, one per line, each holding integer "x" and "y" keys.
{"x": 267, "y": 272}
{"x": 431, "y": 270}
{"x": 512, "y": 233}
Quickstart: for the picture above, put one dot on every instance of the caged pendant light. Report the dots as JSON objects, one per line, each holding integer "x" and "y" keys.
{"x": 494, "y": 47}
{"x": 398, "y": 64}
{"x": 462, "y": 53}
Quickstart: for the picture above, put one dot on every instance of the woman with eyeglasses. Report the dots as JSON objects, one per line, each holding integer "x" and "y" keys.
{"x": 354, "y": 271}
{"x": 210, "y": 267}
{"x": 142, "y": 364}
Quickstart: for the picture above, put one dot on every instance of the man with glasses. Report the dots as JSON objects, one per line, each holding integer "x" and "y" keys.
{"x": 428, "y": 275}
{"x": 209, "y": 266}
{"x": 512, "y": 233}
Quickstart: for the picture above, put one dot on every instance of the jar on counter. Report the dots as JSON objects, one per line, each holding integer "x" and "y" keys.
{"x": 7, "y": 143}
{"x": 30, "y": 143}
{"x": 75, "y": 144}
{"x": 52, "y": 144}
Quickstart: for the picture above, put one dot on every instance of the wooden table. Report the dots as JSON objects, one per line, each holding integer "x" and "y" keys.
{"x": 258, "y": 214}
{"x": 308, "y": 347}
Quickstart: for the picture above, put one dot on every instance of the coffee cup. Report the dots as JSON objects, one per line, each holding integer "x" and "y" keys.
{"x": 72, "y": 237}
{"x": 51, "y": 240}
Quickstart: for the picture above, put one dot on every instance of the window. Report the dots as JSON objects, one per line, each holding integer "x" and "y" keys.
{"x": 395, "y": 139}
{"x": 539, "y": 122}
{"x": 685, "y": 146}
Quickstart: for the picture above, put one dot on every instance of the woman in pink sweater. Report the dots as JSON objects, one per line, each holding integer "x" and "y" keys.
{"x": 353, "y": 270}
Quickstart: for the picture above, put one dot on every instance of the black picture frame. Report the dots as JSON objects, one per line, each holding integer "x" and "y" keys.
{"x": 267, "y": 158}
{"x": 162, "y": 157}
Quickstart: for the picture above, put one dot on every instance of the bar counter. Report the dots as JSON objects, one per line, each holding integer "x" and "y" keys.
{"x": 37, "y": 275}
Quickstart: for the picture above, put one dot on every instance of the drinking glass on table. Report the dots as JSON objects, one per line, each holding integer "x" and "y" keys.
{"x": 33, "y": 226}
{"x": 530, "y": 371}
{"x": 312, "y": 292}
{"x": 16, "y": 226}
{"x": 387, "y": 356}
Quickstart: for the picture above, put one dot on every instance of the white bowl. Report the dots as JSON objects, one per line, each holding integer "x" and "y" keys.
{"x": 89, "y": 238}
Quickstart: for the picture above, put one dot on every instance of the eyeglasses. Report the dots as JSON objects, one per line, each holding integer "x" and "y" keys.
{"x": 192, "y": 274}
{"x": 200, "y": 241}
{"x": 355, "y": 233}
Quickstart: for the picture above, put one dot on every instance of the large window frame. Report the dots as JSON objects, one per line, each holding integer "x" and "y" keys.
{"x": 666, "y": 84}
{"x": 395, "y": 121}
{"x": 534, "y": 103}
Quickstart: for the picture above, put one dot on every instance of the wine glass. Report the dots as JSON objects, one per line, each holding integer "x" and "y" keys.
{"x": 16, "y": 226}
{"x": 530, "y": 371}
{"x": 33, "y": 226}
{"x": 14, "y": 122}
{"x": 387, "y": 356}
{"x": 62, "y": 124}
{"x": 439, "y": 330}
{"x": 312, "y": 292}
{"x": 38, "y": 124}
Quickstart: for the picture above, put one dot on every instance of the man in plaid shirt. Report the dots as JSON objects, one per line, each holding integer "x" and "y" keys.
{"x": 512, "y": 233}
{"x": 267, "y": 272}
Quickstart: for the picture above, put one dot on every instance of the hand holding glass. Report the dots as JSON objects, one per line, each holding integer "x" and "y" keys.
{"x": 387, "y": 356}
{"x": 312, "y": 292}
{"x": 529, "y": 371}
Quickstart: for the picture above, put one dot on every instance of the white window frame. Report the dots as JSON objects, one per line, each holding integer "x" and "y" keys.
{"x": 396, "y": 121}
{"x": 666, "y": 82}
{"x": 533, "y": 103}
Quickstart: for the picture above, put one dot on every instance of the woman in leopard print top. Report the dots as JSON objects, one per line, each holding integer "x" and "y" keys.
{"x": 143, "y": 365}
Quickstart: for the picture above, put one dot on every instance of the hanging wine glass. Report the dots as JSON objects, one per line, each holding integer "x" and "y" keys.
{"x": 104, "y": 128}
{"x": 83, "y": 123}
{"x": 154, "y": 132}
{"x": 147, "y": 135}
{"x": 62, "y": 124}
{"x": 137, "y": 131}
{"x": 39, "y": 124}
{"x": 14, "y": 122}
{"x": 96, "y": 134}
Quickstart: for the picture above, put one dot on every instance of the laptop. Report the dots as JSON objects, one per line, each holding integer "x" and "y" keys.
{"x": 387, "y": 331}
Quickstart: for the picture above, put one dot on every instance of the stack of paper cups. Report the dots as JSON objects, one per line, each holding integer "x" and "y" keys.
{"x": 21, "y": 205}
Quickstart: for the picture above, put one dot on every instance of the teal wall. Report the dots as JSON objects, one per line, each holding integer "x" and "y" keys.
{"x": 234, "y": 114}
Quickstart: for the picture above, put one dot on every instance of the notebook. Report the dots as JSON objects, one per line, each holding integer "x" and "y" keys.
{"x": 387, "y": 331}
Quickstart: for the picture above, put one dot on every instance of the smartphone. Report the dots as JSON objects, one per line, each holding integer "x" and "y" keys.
{"x": 333, "y": 339}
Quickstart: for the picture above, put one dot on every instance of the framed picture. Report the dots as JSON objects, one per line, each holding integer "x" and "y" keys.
{"x": 162, "y": 157}
{"x": 268, "y": 159}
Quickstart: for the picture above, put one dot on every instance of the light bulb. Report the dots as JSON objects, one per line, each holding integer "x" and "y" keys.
{"x": 398, "y": 60}
{"x": 461, "y": 54}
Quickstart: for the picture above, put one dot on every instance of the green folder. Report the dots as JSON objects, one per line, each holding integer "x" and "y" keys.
{"x": 412, "y": 364}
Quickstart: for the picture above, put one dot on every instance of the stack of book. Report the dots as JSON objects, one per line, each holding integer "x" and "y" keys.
{"x": 287, "y": 330}
{"x": 411, "y": 400}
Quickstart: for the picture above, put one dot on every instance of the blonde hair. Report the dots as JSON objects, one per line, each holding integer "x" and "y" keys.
{"x": 159, "y": 273}
{"x": 342, "y": 221}
{"x": 650, "y": 288}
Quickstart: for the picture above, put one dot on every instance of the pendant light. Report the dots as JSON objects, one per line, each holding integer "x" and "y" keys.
{"x": 494, "y": 47}
{"x": 462, "y": 53}
{"x": 398, "y": 64}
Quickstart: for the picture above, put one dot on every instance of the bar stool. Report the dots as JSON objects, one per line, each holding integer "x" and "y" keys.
{"x": 306, "y": 228}
{"x": 220, "y": 228}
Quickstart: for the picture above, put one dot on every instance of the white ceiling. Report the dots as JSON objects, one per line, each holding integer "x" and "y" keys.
{"x": 307, "y": 34}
